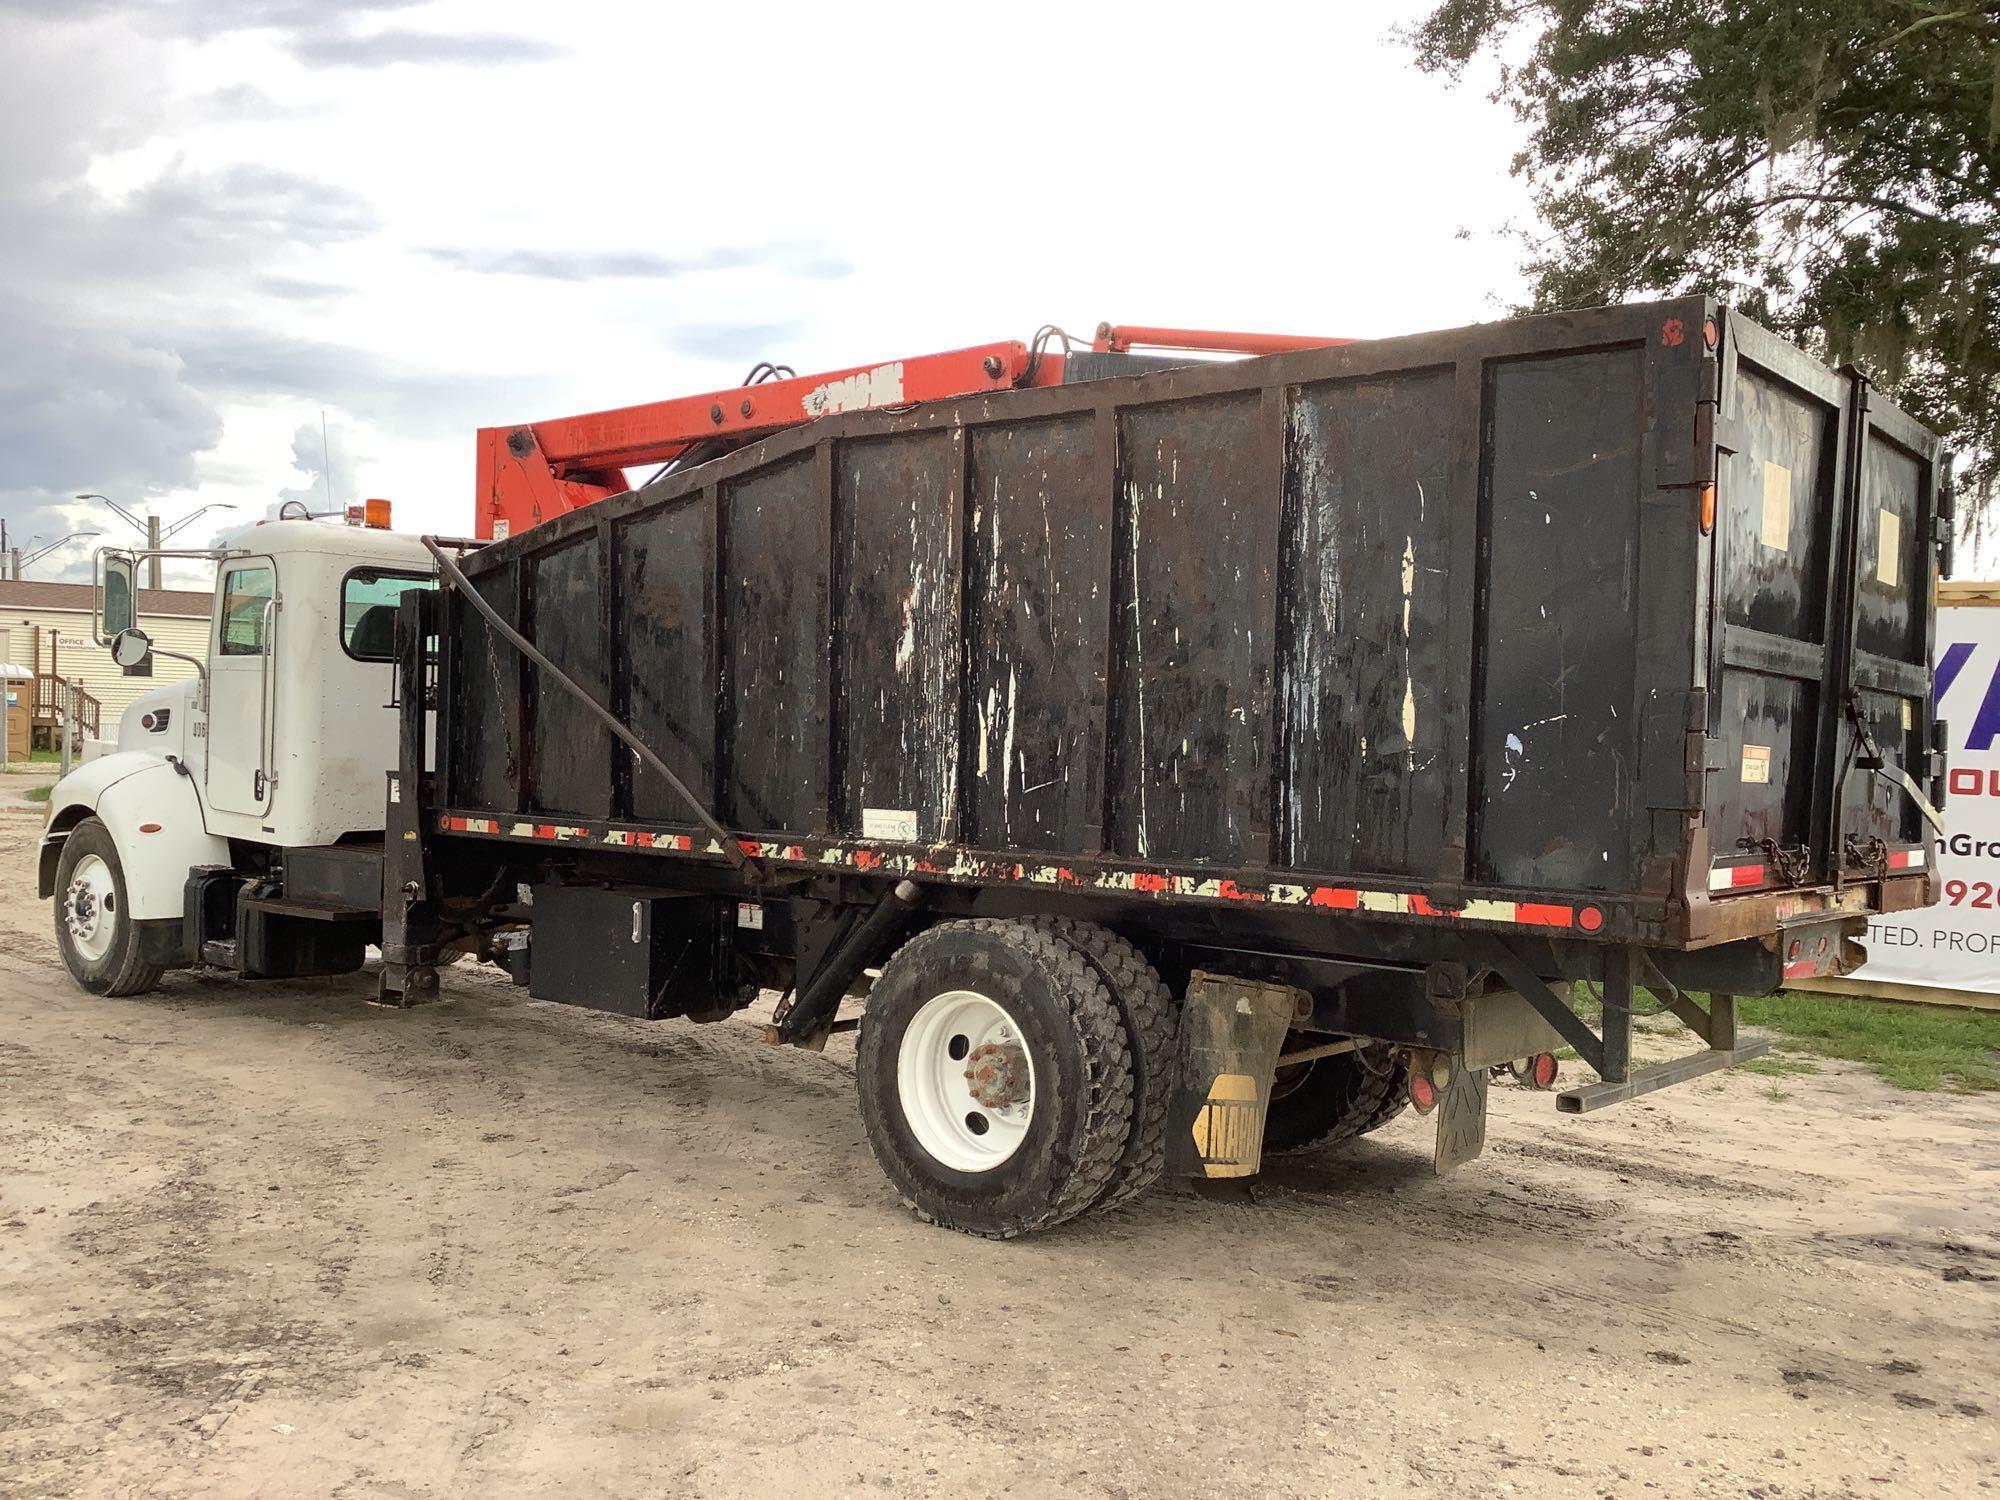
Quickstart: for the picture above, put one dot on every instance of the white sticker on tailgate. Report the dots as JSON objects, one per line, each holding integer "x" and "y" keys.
{"x": 895, "y": 825}
{"x": 1776, "y": 530}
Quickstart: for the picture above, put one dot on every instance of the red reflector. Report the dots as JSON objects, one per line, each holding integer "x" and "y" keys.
{"x": 1544, "y": 1070}
{"x": 1423, "y": 1094}
{"x": 1590, "y": 918}
{"x": 149, "y": 828}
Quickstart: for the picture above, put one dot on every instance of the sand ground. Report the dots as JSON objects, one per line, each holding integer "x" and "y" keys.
{"x": 272, "y": 1241}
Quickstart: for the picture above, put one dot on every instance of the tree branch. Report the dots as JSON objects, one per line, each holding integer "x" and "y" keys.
{"x": 1886, "y": 205}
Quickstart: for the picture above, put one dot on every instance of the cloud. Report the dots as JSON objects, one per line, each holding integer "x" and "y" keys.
{"x": 252, "y": 363}
{"x": 324, "y": 453}
{"x": 323, "y": 47}
{"x": 811, "y": 260}
{"x": 319, "y": 33}
{"x": 744, "y": 341}
{"x": 95, "y": 409}
{"x": 105, "y": 299}
{"x": 201, "y": 20}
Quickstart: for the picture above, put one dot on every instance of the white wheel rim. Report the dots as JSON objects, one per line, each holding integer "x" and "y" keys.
{"x": 968, "y": 1124}
{"x": 90, "y": 908}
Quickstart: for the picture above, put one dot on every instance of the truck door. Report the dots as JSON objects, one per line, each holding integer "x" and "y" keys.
{"x": 243, "y": 688}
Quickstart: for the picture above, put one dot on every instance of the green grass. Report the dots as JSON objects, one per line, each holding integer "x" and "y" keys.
{"x": 38, "y": 793}
{"x": 1779, "y": 1066}
{"x": 1918, "y": 1047}
{"x": 1911, "y": 1046}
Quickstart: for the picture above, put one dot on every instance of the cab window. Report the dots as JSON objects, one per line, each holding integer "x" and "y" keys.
{"x": 245, "y": 592}
{"x": 368, "y": 601}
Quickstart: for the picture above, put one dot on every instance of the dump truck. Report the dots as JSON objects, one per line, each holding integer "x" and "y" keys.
{"x": 1178, "y": 760}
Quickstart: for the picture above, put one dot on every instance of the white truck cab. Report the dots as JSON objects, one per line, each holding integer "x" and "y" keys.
{"x": 275, "y": 755}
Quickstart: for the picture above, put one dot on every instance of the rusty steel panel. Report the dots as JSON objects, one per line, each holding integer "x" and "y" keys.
{"x": 1037, "y": 613}
{"x": 666, "y": 627}
{"x": 1195, "y": 562}
{"x": 1890, "y": 618}
{"x": 1364, "y": 588}
{"x": 896, "y": 705}
{"x": 1775, "y": 519}
{"x": 1559, "y": 698}
{"x": 776, "y": 658}
{"x": 571, "y": 750}
{"x": 483, "y": 761}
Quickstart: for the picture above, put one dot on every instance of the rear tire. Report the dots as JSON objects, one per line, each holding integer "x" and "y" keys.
{"x": 1038, "y": 1135}
{"x": 1331, "y": 1099}
{"x": 1153, "y": 1025}
{"x": 98, "y": 938}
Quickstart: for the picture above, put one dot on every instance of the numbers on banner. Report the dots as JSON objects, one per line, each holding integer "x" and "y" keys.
{"x": 1977, "y": 893}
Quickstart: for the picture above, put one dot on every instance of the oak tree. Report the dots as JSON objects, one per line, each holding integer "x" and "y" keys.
{"x": 1832, "y": 167}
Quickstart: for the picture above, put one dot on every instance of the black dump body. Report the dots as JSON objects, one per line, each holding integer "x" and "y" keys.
{"x": 1334, "y": 651}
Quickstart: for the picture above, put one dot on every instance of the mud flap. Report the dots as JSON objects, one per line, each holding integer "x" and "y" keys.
{"x": 1231, "y": 1033}
{"x": 1461, "y": 1119}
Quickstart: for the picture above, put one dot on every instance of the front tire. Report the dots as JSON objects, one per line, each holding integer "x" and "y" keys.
{"x": 94, "y": 929}
{"x": 995, "y": 1078}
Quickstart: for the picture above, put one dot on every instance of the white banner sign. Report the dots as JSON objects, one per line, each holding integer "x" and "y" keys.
{"x": 1956, "y": 944}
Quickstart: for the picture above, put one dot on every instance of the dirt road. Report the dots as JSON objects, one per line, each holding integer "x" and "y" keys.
{"x": 275, "y": 1242}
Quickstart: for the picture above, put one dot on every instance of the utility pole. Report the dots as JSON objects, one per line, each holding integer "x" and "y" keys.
{"x": 153, "y": 542}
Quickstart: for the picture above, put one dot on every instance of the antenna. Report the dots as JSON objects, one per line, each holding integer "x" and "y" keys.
{"x": 325, "y": 460}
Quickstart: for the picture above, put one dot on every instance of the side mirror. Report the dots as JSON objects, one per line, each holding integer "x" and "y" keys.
{"x": 121, "y": 596}
{"x": 130, "y": 646}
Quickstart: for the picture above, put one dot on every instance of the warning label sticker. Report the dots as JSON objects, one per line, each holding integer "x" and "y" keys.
{"x": 1889, "y": 549}
{"x": 1777, "y": 528}
{"x": 896, "y": 825}
{"x": 1757, "y": 764}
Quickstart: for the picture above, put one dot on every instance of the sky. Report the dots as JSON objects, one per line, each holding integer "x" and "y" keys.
{"x": 233, "y": 226}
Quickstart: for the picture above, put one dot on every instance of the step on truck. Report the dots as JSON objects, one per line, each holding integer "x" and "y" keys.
{"x": 1178, "y": 763}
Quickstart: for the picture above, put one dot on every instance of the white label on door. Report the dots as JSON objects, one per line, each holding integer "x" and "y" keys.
{"x": 502, "y": 528}
{"x": 1777, "y": 528}
{"x": 895, "y": 825}
{"x": 749, "y": 914}
{"x": 1757, "y": 764}
{"x": 1888, "y": 552}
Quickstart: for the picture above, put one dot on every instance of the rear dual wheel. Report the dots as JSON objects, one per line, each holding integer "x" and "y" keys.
{"x": 1004, "y": 1086}
{"x": 1329, "y": 1099}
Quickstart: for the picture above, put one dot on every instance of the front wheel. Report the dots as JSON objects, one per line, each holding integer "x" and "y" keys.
{"x": 94, "y": 929}
{"x": 995, "y": 1078}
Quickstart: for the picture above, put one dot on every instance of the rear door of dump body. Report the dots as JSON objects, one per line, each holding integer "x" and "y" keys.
{"x": 1899, "y": 472}
{"x": 1821, "y": 575}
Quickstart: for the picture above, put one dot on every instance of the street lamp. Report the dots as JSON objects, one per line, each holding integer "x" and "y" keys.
{"x": 35, "y": 557}
{"x": 201, "y": 511}
{"x": 150, "y": 528}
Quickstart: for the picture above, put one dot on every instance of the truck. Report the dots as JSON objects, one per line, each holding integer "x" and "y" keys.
{"x": 1178, "y": 759}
